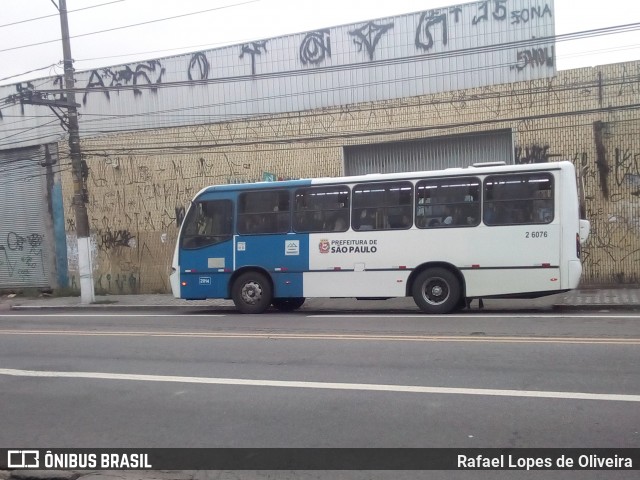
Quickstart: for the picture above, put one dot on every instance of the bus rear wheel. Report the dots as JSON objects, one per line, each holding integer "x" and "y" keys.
{"x": 251, "y": 292}
{"x": 436, "y": 291}
{"x": 288, "y": 304}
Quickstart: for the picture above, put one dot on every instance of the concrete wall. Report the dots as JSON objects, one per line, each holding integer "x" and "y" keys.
{"x": 141, "y": 182}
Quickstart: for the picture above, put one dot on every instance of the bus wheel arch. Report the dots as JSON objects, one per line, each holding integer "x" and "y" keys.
{"x": 437, "y": 288}
{"x": 251, "y": 290}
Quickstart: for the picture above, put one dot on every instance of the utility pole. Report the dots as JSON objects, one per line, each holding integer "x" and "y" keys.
{"x": 78, "y": 168}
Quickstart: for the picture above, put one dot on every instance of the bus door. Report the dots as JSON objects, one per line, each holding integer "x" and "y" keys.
{"x": 206, "y": 249}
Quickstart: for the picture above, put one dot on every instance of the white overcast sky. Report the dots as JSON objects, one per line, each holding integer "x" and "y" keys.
{"x": 253, "y": 20}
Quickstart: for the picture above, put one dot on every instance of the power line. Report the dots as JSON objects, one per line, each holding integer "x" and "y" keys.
{"x": 395, "y": 131}
{"x": 206, "y": 116}
{"x": 611, "y": 81}
{"x": 130, "y": 26}
{"x": 34, "y": 70}
{"x": 56, "y": 15}
{"x": 513, "y": 93}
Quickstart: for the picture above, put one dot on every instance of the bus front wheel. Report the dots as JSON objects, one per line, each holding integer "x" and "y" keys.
{"x": 436, "y": 291}
{"x": 251, "y": 293}
{"x": 288, "y": 304}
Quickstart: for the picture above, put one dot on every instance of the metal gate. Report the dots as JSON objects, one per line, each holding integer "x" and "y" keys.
{"x": 23, "y": 237}
{"x": 429, "y": 154}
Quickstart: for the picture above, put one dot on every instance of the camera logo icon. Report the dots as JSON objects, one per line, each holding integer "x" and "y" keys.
{"x": 23, "y": 459}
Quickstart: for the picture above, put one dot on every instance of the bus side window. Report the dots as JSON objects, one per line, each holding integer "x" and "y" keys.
{"x": 382, "y": 206}
{"x": 263, "y": 211}
{"x": 518, "y": 199}
{"x": 448, "y": 202}
{"x": 318, "y": 209}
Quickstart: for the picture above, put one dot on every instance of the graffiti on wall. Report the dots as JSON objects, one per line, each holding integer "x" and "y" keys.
{"x": 615, "y": 219}
{"x": 315, "y": 47}
{"x": 147, "y": 73}
{"x": 535, "y": 57}
{"x": 21, "y": 256}
{"x": 108, "y": 239}
{"x": 253, "y": 49}
{"x": 430, "y": 29}
{"x": 534, "y": 154}
{"x": 495, "y": 10}
{"x": 199, "y": 67}
{"x": 368, "y": 36}
{"x": 424, "y": 36}
{"x": 626, "y": 170}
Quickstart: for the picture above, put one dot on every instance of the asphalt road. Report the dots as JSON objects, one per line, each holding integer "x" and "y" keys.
{"x": 219, "y": 379}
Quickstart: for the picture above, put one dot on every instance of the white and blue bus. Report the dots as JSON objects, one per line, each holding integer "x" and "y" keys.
{"x": 441, "y": 237}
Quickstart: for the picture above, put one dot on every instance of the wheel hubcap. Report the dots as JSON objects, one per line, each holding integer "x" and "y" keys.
{"x": 435, "y": 291}
{"x": 251, "y": 293}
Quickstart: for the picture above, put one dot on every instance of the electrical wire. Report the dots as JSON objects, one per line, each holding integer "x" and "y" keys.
{"x": 490, "y": 95}
{"x": 351, "y": 67}
{"x": 57, "y": 15}
{"x": 87, "y": 124}
{"x": 30, "y": 71}
{"x": 130, "y": 26}
{"x": 395, "y": 131}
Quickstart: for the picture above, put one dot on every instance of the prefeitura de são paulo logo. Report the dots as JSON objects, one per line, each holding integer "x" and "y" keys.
{"x": 324, "y": 246}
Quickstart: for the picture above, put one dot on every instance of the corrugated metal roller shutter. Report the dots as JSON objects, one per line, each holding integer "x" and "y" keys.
{"x": 23, "y": 256}
{"x": 429, "y": 154}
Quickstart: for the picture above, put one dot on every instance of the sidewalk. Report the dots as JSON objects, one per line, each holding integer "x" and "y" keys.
{"x": 581, "y": 299}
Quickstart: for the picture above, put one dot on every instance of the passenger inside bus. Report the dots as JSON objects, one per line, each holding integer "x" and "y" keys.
{"x": 448, "y": 217}
{"x": 340, "y": 224}
{"x": 367, "y": 220}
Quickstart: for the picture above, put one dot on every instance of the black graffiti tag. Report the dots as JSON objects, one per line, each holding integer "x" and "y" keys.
{"x": 524, "y": 16}
{"x": 535, "y": 57}
{"x": 140, "y": 75}
{"x": 499, "y": 11}
{"x": 111, "y": 239}
{"x": 253, "y": 49}
{"x": 199, "y": 65}
{"x": 424, "y": 38}
{"x": 369, "y": 35}
{"x": 17, "y": 242}
{"x": 534, "y": 154}
{"x": 315, "y": 47}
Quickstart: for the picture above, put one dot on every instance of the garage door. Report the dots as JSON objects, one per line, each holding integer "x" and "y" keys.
{"x": 429, "y": 154}
{"x": 23, "y": 241}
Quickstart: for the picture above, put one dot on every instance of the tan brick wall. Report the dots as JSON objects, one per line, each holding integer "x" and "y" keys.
{"x": 139, "y": 182}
